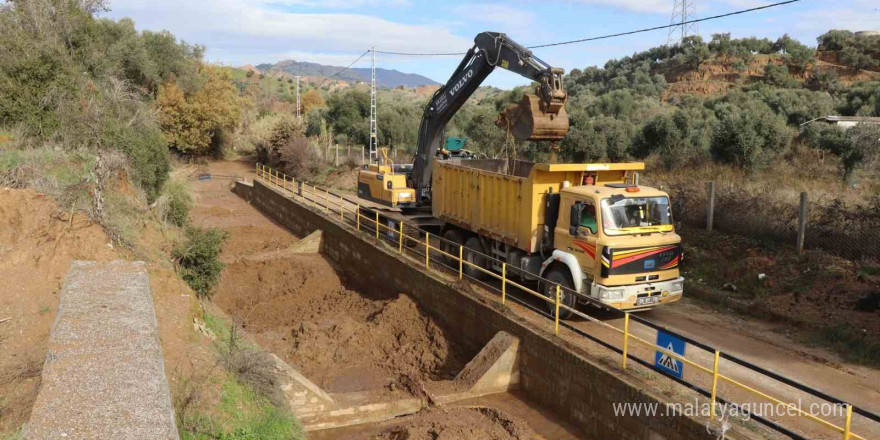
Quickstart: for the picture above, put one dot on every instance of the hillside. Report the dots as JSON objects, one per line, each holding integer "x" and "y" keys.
{"x": 719, "y": 75}
{"x": 384, "y": 77}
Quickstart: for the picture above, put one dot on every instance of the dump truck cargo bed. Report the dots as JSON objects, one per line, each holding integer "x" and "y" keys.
{"x": 504, "y": 199}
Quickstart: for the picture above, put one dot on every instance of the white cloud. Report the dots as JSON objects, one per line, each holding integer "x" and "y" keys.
{"x": 247, "y": 30}
{"x": 496, "y": 14}
{"x": 861, "y": 16}
{"x": 651, "y": 6}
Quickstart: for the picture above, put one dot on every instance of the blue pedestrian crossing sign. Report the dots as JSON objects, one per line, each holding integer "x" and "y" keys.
{"x": 663, "y": 361}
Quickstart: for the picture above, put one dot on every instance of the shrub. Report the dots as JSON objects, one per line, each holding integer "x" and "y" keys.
{"x": 854, "y": 147}
{"x": 778, "y": 76}
{"x": 198, "y": 258}
{"x": 178, "y": 203}
{"x": 749, "y": 138}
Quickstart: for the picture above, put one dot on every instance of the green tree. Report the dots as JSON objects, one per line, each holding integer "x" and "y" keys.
{"x": 349, "y": 112}
{"x": 749, "y": 138}
{"x": 857, "y": 59}
{"x": 834, "y": 39}
{"x": 854, "y": 147}
{"x": 195, "y": 123}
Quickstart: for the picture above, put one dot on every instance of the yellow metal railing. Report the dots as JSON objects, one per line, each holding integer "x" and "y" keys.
{"x": 358, "y": 219}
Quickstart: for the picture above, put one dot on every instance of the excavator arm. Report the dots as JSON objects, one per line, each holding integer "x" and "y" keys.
{"x": 540, "y": 116}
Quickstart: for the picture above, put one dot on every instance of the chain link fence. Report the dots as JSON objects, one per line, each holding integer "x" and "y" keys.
{"x": 848, "y": 230}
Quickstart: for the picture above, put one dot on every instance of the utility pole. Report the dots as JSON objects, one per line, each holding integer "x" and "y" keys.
{"x": 298, "y": 112}
{"x": 683, "y": 11}
{"x": 374, "y": 140}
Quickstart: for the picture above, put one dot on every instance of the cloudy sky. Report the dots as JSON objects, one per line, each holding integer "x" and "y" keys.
{"x": 335, "y": 32}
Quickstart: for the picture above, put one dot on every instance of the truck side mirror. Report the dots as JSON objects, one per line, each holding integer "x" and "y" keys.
{"x": 574, "y": 218}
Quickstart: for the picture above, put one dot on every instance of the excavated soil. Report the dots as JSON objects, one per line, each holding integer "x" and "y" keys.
{"x": 458, "y": 424}
{"x": 38, "y": 241}
{"x": 297, "y": 307}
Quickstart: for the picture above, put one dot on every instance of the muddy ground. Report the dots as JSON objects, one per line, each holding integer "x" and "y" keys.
{"x": 297, "y": 307}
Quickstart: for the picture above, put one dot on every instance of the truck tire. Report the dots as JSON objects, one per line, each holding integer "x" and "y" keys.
{"x": 473, "y": 253}
{"x": 453, "y": 239}
{"x": 561, "y": 276}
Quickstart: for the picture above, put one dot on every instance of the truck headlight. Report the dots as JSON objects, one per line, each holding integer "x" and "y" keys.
{"x": 404, "y": 195}
{"x": 612, "y": 293}
{"x": 677, "y": 286}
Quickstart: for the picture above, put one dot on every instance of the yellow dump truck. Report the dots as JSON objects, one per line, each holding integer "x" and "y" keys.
{"x": 588, "y": 227}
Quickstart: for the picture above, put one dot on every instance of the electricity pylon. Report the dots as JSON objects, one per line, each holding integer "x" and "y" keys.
{"x": 374, "y": 140}
{"x": 683, "y": 11}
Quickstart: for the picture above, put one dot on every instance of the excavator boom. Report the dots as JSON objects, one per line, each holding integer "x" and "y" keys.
{"x": 539, "y": 117}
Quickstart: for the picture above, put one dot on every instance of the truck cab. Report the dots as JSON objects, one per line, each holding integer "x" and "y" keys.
{"x": 624, "y": 242}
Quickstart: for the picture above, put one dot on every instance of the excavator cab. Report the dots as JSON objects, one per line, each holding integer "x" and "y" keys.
{"x": 540, "y": 116}
{"x": 385, "y": 183}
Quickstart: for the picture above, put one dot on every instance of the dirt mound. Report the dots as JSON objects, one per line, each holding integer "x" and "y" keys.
{"x": 38, "y": 241}
{"x": 459, "y": 424}
{"x": 298, "y": 308}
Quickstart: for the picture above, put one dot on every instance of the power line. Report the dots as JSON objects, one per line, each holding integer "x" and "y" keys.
{"x": 345, "y": 68}
{"x": 619, "y": 34}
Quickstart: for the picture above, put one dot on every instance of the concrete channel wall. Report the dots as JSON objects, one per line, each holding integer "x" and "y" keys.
{"x": 553, "y": 372}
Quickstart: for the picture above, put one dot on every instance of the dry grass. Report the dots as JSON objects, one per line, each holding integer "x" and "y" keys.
{"x": 765, "y": 204}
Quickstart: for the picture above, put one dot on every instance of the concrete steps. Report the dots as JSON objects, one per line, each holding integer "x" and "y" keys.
{"x": 104, "y": 376}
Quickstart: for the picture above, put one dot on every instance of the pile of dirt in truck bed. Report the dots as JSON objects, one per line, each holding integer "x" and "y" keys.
{"x": 297, "y": 307}
{"x": 458, "y": 424}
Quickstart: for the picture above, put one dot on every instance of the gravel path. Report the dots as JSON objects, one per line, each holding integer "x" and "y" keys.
{"x": 104, "y": 376}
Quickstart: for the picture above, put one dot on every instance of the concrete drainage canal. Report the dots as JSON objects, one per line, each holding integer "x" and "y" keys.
{"x": 374, "y": 366}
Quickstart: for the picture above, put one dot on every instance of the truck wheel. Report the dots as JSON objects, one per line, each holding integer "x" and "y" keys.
{"x": 559, "y": 276}
{"x": 453, "y": 238}
{"x": 473, "y": 254}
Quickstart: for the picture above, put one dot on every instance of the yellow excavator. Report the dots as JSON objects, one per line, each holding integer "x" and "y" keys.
{"x": 540, "y": 116}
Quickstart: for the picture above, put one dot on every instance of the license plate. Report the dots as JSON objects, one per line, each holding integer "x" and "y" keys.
{"x": 644, "y": 301}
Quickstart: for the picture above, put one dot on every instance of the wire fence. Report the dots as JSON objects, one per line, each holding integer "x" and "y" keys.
{"x": 726, "y": 381}
{"x": 849, "y": 231}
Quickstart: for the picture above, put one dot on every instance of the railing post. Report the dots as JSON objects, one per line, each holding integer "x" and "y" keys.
{"x": 399, "y": 245}
{"x": 377, "y": 225}
{"x": 847, "y": 430}
{"x": 802, "y": 223}
{"x": 460, "y": 262}
{"x": 341, "y": 210}
{"x": 358, "y": 216}
{"x": 557, "y": 309}
{"x": 625, "y": 339}
{"x": 427, "y": 250}
{"x": 327, "y": 201}
{"x": 710, "y": 210}
{"x": 503, "y": 283}
{"x": 715, "y": 381}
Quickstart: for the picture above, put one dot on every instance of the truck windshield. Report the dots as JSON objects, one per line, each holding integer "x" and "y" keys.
{"x": 628, "y": 215}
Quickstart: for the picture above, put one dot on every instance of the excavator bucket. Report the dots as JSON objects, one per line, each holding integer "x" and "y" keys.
{"x": 534, "y": 120}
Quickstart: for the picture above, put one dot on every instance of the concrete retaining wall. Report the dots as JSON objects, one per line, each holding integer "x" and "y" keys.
{"x": 553, "y": 372}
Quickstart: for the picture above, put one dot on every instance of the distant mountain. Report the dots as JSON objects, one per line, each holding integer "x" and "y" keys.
{"x": 384, "y": 77}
